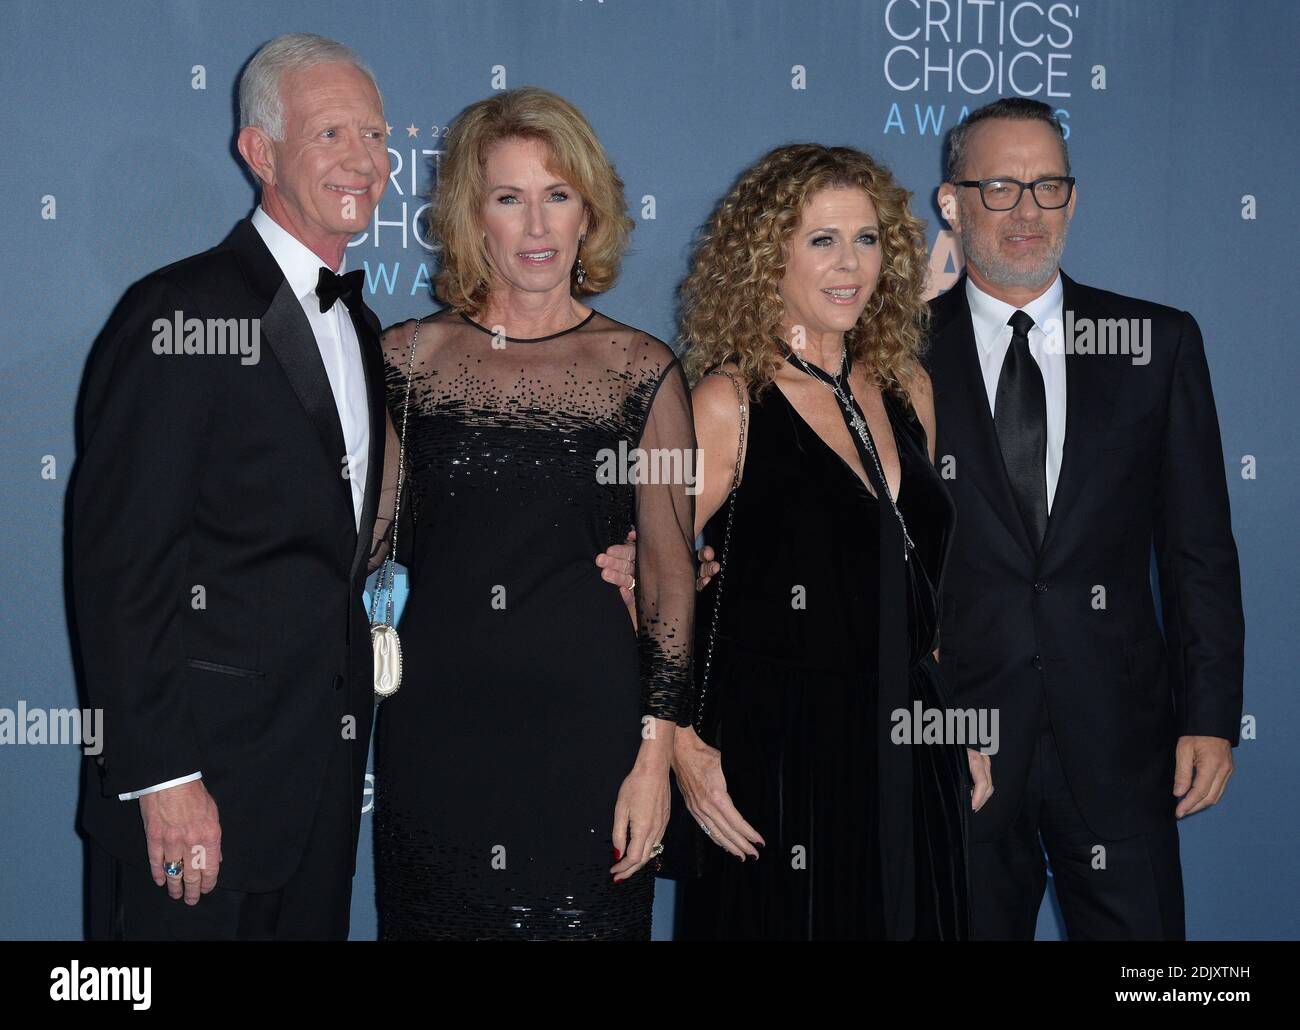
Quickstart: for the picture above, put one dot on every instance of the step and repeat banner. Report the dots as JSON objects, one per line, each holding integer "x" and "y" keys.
{"x": 120, "y": 119}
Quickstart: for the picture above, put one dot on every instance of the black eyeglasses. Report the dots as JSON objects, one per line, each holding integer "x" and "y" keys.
{"x": 1050, "y": 192}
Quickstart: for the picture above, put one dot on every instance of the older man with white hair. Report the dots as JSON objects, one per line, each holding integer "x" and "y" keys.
{"x": 222, "y": 516}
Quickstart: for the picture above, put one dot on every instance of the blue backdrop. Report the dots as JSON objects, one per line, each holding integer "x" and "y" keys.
{"x": 120, "y": 119}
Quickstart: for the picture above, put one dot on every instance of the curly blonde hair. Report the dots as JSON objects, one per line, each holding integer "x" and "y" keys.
{"x": 730, "y": 304}
{"x": 456, "y": 211}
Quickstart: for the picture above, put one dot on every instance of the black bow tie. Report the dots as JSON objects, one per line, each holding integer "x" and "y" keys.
{"x": 331, "y": 287}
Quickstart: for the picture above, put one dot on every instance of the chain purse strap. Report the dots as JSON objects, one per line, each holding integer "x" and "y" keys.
{"x": 726, "y": 541}
{"x": 391, "y": 558}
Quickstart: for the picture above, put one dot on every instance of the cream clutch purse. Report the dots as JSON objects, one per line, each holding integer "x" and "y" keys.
{"x": 388, "y": 659}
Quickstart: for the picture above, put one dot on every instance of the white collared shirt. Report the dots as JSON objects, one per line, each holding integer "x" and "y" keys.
{"x": 992, "y": 338}
{"x": 336, "y": 337}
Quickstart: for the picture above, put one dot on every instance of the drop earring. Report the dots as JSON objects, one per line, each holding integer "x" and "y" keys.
{"x": 581, "y": 269}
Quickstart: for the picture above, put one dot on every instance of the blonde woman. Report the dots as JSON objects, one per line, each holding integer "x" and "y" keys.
{"x": 806, "y": 295}
{"x": 522, "y": 769}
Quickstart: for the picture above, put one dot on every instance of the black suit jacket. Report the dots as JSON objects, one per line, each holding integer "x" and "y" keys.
{"x": 217, "y": 569}
{"x": 1142, "y": 466}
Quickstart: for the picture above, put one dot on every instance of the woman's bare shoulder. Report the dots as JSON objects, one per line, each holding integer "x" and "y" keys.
{"x": 714, "y": 396}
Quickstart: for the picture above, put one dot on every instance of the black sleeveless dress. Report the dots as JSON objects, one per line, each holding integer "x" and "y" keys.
{"x": 865, "y": 839}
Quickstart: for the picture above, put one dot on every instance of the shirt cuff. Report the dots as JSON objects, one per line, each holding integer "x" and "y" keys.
{"x": 160, "y": 786}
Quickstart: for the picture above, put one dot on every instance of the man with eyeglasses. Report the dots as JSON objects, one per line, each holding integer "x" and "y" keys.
{"x": 1077, "y": 431}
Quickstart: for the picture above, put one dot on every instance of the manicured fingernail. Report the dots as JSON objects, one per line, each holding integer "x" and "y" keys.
{"x": 617, "y": 854}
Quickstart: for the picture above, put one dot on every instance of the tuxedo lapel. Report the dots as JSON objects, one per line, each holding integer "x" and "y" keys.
{"x": 287, "y": 332}
{"x": 965, "y": 420}
{"x": 1090, "y": 384}
{"x": 367, "y": 328}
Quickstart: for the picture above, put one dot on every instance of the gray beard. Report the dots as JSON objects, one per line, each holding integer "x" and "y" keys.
{"x": 996, "y": 269}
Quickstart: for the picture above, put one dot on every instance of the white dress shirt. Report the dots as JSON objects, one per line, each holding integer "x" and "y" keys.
{"x": 992, "y": 338}
{"x": 336, "y": 337}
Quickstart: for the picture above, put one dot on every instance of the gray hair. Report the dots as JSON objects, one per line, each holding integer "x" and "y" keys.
{"x": 260, "y": 103}
{"x": 1016, "y": 109}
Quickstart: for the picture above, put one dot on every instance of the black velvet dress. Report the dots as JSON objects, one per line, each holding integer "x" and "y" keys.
{"x": 865, "y": 838}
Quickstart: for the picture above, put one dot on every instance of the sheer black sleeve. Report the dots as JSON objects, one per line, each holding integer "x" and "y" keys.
{"x": 665, "y": 562}
{"x": 382, "y": 538}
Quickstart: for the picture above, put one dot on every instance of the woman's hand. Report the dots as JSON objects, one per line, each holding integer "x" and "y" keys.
{"x": 641, "y": 811}
{"x": 618, "y": 566}
{"x": 708, "y": 567}
{"x": 699, "y": 775}
{"x": 981, "y": 774}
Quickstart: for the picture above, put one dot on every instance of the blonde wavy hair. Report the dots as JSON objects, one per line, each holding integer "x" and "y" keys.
{"x": 730, "y": 304}
{"x": 455, "y": 216}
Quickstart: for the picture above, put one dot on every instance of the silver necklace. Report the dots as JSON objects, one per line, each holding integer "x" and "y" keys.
{"x": 859, "y": 427}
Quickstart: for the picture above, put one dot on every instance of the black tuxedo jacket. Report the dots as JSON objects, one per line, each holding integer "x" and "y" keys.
{"x": 1074, "y": 624}
{"x": 217, "y": 569}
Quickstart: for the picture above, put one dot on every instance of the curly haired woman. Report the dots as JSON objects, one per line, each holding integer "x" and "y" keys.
{"x": 804, "y": 321}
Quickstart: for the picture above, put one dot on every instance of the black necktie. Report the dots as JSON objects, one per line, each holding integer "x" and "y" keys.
{"x": 331, "y": 287}
{"x": 1020, "y": 415}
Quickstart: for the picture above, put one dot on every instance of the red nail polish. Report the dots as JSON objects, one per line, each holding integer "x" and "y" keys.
{"x": 617, "y": 854}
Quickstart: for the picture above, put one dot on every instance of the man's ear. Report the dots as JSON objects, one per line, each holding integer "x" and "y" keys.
{"x": 948, "y": 206}
{"x": 256, "y": 150}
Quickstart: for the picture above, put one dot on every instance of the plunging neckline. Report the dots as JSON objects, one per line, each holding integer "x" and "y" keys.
{"x": 840, "y": 458}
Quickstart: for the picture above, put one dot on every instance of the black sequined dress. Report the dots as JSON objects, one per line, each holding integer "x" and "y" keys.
{"x": 499, "y": 761}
